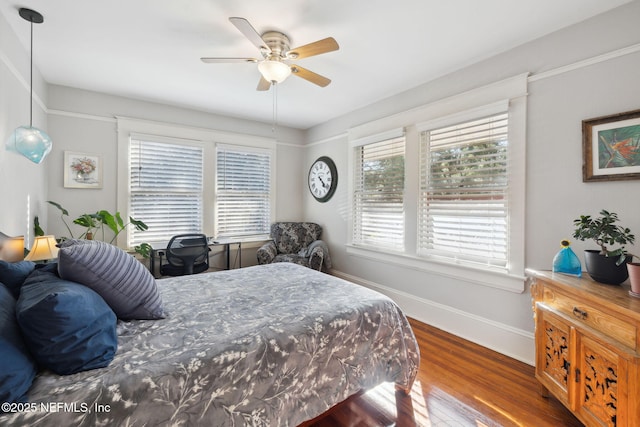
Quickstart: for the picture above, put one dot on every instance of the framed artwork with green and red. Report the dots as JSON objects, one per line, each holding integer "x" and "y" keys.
{"x": 611, "y": 147}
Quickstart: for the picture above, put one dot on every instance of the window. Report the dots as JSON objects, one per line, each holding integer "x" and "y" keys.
{"x": 464, "y": 192}
{"x": 166, "y": 188}
{"x": 243, "y": 191}
{"x": 378, "y": 199}
{"x": 455, "y": 207}
{"x": 170, "y": 177}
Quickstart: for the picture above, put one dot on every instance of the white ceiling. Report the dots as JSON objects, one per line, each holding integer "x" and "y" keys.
{"x": 151, "y": 49}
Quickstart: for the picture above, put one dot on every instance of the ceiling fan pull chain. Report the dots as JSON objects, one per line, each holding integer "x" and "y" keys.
{"x": 274, "y": 125}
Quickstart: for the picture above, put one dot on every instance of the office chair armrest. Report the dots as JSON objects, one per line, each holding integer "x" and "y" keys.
{"x": 267, "y": 252}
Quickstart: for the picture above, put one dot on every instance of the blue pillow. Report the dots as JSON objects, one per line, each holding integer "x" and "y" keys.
{"x": 17, "y": 369}
{"x": 12, "y": 274}
{"x": 67, "y": 327}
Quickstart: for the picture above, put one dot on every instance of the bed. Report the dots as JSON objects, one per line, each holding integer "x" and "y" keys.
{"x": 269, "y": 345}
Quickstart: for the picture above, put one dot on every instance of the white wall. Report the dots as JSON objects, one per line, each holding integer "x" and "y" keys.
{"x": 555, "y": 193}
{"x": 22, "y": 182}
{"x": 84, "y": 121}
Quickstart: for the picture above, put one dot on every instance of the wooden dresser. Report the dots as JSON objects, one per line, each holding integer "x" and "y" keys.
{"x": 588, "y": 347}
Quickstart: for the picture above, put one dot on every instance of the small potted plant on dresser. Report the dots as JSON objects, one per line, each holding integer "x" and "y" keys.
{"x": 605, "y": 265}
{"x": 634, "y": 276}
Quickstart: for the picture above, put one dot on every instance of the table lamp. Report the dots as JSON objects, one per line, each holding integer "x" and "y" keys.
{"x": 44, "y": 248}
{"x": 11, "y": 248}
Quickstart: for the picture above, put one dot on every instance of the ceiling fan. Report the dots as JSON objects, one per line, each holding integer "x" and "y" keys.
{"x": 274, "y": 47}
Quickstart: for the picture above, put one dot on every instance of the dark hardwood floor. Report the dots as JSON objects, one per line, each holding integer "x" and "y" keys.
{"x": 459, "y": 384}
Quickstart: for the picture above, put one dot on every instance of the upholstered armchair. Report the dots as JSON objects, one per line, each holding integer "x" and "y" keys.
{"x": 297, "y": 242}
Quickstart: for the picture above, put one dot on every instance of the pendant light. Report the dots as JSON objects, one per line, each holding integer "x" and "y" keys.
{"x": 31, "y": 142}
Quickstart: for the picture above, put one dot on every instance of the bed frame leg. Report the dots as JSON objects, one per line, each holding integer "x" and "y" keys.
{"x": 406, "y": 390}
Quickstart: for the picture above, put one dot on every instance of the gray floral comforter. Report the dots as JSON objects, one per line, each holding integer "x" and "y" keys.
{"x": 270, "y": 345}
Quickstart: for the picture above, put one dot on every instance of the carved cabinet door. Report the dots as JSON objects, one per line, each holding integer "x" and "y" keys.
{"x": 601, "y": 377}
{"x": 553, "y": 353}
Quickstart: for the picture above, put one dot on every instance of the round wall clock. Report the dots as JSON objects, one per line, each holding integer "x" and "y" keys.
{"x": 323, "y": 179}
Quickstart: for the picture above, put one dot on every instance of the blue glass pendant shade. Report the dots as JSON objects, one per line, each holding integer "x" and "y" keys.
{"x": 31, "y": 142}
{"x": 566, "y": 261}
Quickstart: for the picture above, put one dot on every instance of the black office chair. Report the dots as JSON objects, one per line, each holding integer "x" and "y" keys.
{"x": 186, "y": 254}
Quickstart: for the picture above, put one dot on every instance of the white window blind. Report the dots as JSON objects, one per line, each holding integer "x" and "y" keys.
{"x": 464, "y": 192}
{"x": 243, "y": 191}
{"x": 378, "y": 202}
{"x": 166, "y": 189}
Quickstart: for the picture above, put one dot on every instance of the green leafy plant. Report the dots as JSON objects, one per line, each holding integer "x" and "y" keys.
{"x": 63, "y": 213}
{"x": 102, "y": 220}
{"x": 37, "y": 230}
{"x": 604, "y": 231}
{"x": 88, "y": 221}
{"x": 144, "y": 249}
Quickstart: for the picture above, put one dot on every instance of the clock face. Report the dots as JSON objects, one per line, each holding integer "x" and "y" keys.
{"x": 323, "y": 179}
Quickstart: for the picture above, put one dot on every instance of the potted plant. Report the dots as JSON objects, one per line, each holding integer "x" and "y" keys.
{"x": 634, "y": 276}
{"x": 605, "y": 265}
{"x": 97, "y": 222}
{"x": 88, "y": 221}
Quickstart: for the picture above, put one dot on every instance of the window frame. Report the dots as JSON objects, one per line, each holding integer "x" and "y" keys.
{"x": 388, "y": 138}
{"x": 462, "y": 118}
{"x": 511, "y": 92}
{"x": 133, "y": 138}
{"x": 247, "y": 149}
{"x": 127, "y": 126}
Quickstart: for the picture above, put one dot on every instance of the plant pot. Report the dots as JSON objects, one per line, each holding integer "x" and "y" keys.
{"x": 634, "y": 276}
{"x": 603, "y": 269}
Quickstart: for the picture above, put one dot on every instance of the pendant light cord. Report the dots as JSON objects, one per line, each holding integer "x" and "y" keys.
{"x": 31, "y": 80}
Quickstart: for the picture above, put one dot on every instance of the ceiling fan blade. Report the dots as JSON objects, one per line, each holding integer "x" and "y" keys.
{"x": 310, "y": 76}
{"x": 263, "y": 84}
{"x": 227, "y": 60}
{"x": 249, "y": 32}
{"x": 316, "y": 48}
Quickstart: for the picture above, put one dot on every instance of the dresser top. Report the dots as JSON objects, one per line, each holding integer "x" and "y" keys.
{"x": 589, "y": 288}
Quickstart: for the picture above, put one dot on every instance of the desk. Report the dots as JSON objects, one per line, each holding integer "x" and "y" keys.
{"x": 158, "y": 248}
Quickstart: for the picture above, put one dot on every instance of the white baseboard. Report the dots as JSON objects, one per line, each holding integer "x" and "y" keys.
{"x": 513, "y": 342}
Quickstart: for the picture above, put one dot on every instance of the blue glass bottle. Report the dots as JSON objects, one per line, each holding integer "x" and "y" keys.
{"x": 566, "y": 261}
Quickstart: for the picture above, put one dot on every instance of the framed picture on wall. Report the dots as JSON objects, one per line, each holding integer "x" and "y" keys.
{"x": 82, "y": 170}
{"x": 611, "y": 147}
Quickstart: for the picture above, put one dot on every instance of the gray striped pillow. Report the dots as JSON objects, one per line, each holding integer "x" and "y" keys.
{"x": 121, "y": 280}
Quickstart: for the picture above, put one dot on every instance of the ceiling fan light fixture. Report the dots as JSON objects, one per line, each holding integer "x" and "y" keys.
{"x": 274, "y": 71}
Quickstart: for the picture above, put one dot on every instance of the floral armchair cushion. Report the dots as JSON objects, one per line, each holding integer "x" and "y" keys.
{"x": 297, "y": 242}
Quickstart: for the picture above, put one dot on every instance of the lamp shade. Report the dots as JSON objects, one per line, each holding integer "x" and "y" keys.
{"x": 31, "y": 142}
{"x": 11, "y": 248}
{"x": 274, "y": 71}
{"x": 44, "y": 248}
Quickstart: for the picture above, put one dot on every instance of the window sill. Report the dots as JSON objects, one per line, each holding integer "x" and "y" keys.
{"x": 481, "y": 276}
